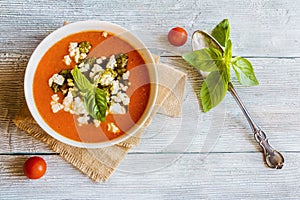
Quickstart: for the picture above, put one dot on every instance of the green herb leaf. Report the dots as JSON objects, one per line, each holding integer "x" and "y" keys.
{"x": 82, "y": 83}
{"x": 227, "y": 58}
{"x": 228, "y": 52}
{"x": 206, "y": 59}
{"x": 222, "y": 32}
{"x": 219, "y": 63}
{"x": 96, "y": 103}
{"x": 94, "y": 98}
{"x": 213, "y": 90}
{"x": 244, "y": 71}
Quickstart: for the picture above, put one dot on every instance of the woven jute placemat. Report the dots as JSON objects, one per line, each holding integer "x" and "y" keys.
{"x": 99, "y": 164}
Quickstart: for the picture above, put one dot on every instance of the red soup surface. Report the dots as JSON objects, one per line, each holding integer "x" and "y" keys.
{"x": 65, "y": 123}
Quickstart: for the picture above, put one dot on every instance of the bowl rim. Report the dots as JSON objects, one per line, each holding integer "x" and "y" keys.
{"x": 63, "y": 32}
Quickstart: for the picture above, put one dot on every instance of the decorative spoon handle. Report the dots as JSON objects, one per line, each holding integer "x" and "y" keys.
{"x": 274, "y": 159}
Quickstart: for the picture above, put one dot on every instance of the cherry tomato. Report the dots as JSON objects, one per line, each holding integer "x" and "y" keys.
{"x": 35, "y": 167}
{"x": 177, "y": 36}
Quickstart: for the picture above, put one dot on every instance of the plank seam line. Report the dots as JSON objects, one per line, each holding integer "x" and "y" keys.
{"x": 147, "y": 153}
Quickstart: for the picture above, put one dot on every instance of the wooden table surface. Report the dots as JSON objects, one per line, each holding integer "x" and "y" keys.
{"x": 196, "y": 156}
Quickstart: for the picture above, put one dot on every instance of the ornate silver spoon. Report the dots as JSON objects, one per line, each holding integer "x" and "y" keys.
{"x": 273, "y": 158}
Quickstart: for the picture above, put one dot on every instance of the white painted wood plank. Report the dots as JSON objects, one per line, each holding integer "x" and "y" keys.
{"x": 259, "y": 27}
{"x": 226, "y": 176}
{"x": 274, "y": 104}
{"x": 12, "y": 67}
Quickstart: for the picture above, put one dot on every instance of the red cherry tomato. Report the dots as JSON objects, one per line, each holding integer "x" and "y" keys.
{"x": 177, "y": 36}
{"x": 35, "y": 167}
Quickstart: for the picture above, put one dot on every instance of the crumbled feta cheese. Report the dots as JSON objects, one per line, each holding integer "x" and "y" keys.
{"x": 104, "y": 34}
{"x": 77, "y": 51}
{"x": 116, "y": 99}
{"x": 106, "y": 78}
{"x": 77, "y": 57}
{"x": 96, "y": 122}
{"x": 72, "y": 45}
{"x": 56, "y": 78}
{"x": 78, "y": 106}
{"x": 83, "y": 55}
{"x": 83, "y": 120}
{"x": 59, "y": 79}
{"x": 124, "y": 88}
{"x": 96, "y": 77}
{"x": 85, "y": 68}
{"x": 74, "y": 52}
{"x": 55, "y": 106}
{"x": 126, "y": 75}
{"x": 81, "y": 65}
{"x": 91, "y": 74}
{"x": 95, "y": 71}
{"x": 55, "y": 97}
{"x": 99, "y": 61}
{"x": 116, "y": 108}
{"x": 97, "y": 68}
{"x": 125, "y": 99}
{"x": 112, "y": 62}
{"x": 67, "y": 60}
{"x": 50, "y": 82}
{"x": 68, "y": 102}
{"x": 113, "y": 128}
{"x": 115, "y": 87}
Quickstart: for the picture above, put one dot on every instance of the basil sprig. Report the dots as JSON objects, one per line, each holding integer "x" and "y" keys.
{"x": 219, "y": 64}
{"x": 94, "y": 97}
{"x": 222, "y": 32}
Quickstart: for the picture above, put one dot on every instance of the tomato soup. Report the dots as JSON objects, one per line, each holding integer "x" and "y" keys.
{"x": 65, "y": 123}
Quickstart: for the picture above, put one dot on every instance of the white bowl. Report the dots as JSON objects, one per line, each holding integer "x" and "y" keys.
{"x": 76, "y": 27}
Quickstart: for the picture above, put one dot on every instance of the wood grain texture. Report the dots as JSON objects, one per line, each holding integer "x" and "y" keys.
{"x": 197, "y": 156}
{"x": 231, "y": 176}
{"x": 259, "y": 27}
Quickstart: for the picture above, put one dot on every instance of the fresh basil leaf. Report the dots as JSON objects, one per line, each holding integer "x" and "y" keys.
{"x": 244, "y": 71}
{"x": 213, "y": 90}
{"x": 96, "y": 103}
{"x": 82, "y": 83}
{"x": 228, "y": 56}
{"x": 206, "y": 59}
{"x": 225, "y": 72}
{"x": 222, "y": 32}
{"x": 228, "y": 52}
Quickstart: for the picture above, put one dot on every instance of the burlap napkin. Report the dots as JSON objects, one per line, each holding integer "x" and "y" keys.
{"x": 100, "y": 163}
